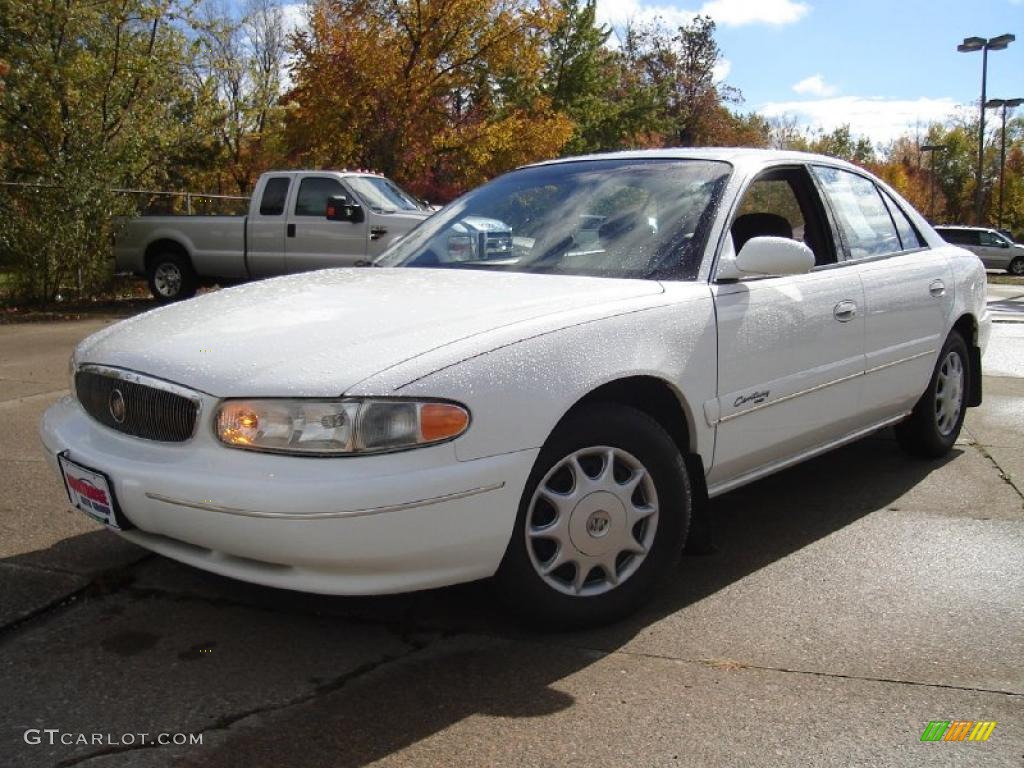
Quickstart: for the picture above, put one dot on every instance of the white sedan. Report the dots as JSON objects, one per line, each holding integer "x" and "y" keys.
{"x": 661, "y": 327}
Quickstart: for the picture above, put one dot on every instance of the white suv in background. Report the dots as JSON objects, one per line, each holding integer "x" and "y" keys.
{"x": 995, "y": 250}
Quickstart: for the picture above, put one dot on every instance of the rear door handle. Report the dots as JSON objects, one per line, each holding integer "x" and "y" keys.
{"x": 291, "y": 230}
{"x": 845, "y": 311}
{"x": 937, "y": 288}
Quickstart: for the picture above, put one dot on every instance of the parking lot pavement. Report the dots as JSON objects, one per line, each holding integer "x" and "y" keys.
{"x": 1006, "y": 302}
{"x": 849, "y": 601}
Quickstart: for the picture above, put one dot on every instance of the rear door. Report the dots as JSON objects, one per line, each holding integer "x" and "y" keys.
{"x": 265, "y": 231}
{"x": 791, "y": 347}
{"x": 908, "y": 290}
{"x": 312, "y": 241}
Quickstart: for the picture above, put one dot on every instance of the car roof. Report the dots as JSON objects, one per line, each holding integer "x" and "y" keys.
{"x": 738, "y": 156}
{"x": 964, "y": 226}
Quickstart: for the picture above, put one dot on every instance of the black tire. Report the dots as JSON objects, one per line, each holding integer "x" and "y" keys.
{"x": 631, "y": 436}
{"x": 1016, "y": 267}
{"x": 171, "y": 277}
{"x": 931, "y": 430}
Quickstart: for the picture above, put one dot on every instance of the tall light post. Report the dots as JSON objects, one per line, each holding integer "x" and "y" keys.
{"x": 1004, "y": 103}
{"x": 969, "y": 45}
{"x": 932, "y": 148}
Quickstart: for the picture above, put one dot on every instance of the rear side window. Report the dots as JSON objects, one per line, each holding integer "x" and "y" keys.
{"x": 313, "y": 194}
{"x": 909, "y": 238}
{"x": 866, "y": 225}
{"x": 960, "y": 236}
{"x": 274, "y": 196}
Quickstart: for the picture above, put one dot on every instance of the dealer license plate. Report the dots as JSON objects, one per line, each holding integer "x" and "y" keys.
{"x": 89, "y": 491}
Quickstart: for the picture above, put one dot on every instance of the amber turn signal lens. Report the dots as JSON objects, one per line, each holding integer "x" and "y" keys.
{"x": 440, "y": 421}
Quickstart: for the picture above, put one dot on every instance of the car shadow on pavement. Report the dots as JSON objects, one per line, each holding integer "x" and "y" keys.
{"x": 466, "y": 657}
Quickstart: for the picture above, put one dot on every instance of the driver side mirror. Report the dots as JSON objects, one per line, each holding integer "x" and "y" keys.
{"x": 774, "y": 256}
{"x": 342, "y": 208}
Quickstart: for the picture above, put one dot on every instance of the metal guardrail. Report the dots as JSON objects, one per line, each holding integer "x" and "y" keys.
{"x": 189, "y": 197}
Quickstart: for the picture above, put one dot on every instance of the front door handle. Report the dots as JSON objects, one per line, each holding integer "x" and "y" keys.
{"x": 291, "y": 230}
{"x": 937, "y": 288}
{"x": 845, "y": 311}
{"x": 377, "y": 232}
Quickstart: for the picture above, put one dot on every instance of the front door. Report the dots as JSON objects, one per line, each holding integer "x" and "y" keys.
{"x": 790, "y": 348}
{"x": 312, "y": 241}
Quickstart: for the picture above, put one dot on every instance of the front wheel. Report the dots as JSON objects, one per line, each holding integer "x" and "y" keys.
{"x": 171, "y": 277}
{"x": 1016, "y": 267}
{"x": 602, "y": 519}
{"x": 934, "y": 425}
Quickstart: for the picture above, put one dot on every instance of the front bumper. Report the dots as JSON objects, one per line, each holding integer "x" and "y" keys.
{"x": 352, "y": 525}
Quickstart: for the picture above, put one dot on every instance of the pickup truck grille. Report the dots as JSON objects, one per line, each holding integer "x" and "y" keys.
{"x": 136, "y": 409}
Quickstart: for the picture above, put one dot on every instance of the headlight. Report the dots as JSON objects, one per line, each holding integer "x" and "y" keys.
{"x": 332, "y": 427}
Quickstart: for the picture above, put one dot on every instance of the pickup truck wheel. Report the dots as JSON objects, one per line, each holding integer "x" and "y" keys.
{"x": 602, "y": 519}
{"x": 171, "y": 277}
{"x": 1016, "y": 266}
{"x": 934, "y": 424}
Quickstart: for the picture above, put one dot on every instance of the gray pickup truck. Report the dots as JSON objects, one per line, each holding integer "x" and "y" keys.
{"x": 286, "y": 230}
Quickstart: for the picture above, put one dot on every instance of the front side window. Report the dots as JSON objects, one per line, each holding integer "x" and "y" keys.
{"x": 313, "y": 194}
{"x": 625, "y": 218}
{"x": 782, "y": 203}
{"x": 992, "y": 240}
{"x": 862, "y": 217}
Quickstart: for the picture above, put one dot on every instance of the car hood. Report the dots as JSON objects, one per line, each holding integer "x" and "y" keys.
{"x": 318, "y": 334}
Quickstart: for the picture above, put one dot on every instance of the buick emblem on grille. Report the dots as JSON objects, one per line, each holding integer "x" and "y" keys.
{"x": 117, "y": 406}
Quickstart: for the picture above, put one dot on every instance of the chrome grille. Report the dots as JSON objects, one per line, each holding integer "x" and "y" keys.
{"x": 149, "y": 412}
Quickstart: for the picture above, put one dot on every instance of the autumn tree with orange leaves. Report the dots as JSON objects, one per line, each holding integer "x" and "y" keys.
{"x": 439, "y": 94}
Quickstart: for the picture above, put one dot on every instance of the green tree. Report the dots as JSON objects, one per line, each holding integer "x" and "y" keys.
{"x": 95, "y": 98}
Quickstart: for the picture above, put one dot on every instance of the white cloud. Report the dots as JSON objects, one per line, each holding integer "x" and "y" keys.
{"x": 294, "y": 17}
{"x": 722, "y": 70}
{"x": 736, "y": 13}
{"x": 729, "y": 13}
{"x": 815, "y": 85}
{"x": 882, "y": 120}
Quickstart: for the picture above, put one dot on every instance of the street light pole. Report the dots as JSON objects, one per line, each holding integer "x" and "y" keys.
{"x": 1004, "y": 103}
{"x": 969, "y": 45}
{"x": 932, "y": 148}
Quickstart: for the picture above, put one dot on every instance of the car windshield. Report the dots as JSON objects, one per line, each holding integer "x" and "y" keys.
{"x": 382, "y": 194}
{"x": 623, "y": 218}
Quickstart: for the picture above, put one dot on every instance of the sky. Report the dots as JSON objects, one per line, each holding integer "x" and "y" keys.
{"x": 886, "y": 67}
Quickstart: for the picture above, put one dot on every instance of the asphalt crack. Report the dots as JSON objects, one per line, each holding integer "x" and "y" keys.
{"x": 734, "y": 665}
{"x": 108, "y": 582}
{"x": 225, "y": 722}
{"x": 1006, "y": 478}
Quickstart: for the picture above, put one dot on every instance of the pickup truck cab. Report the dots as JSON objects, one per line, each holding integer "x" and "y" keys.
{"x": 285, "y": 231}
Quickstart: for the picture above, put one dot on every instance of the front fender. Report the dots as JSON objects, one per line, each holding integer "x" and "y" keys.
{"x": 519, "y": 392}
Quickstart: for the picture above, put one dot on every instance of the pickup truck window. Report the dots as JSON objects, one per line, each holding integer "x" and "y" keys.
{"x": 313, "y": 194}
{"x": 274, "y": 195}
{"x": 862, "y": 216}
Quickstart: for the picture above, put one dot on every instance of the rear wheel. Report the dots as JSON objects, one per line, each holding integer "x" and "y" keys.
{"x": 934, "y": 425}
{"x": 601, "y": 520}
{"x": 1016, "y": 267}
{"x": 171, "y": 277}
